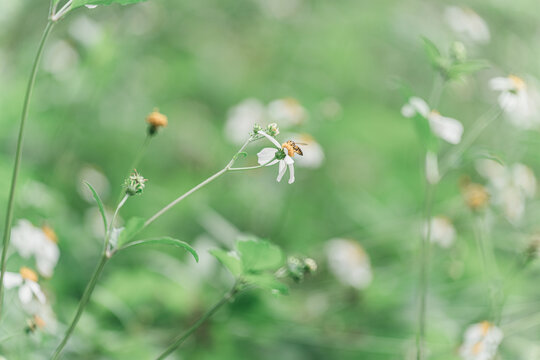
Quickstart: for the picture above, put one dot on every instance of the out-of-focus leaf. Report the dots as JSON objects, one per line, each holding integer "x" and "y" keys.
{"x": 266, "y": 281}
{"x": 259, "y": 255}
{"x": 229, "y": 259}
{"x": 466, "y": 68}
{"x": 100, "y": 205}
{"x": 166, "y": 240}
{"x": 437, "y": 60}
{"x": 133, "y": 226}
{"x": 79, "y": 3}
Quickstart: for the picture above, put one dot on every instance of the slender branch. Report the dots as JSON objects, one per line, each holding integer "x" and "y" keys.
{"x": 64, "y": 10}
{"x": 18, "y": 155}
{"x": 424, "y": 267}
{"x": 82, "y": 304}
{"x": 181, "y": 338}
{"x": 197, "y": 187}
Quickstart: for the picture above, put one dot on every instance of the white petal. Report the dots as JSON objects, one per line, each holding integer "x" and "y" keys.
{"x": 446, "y": 128}
{"x": 12, "y": 279}
{"x": 265, "y": 155}
{"x": 25, "y": 293}
{"x": 419, "y": 105}
{"x": 36, "y": 289}
{"x": 291, "y": 173}
{"x": 91, "y": 6}
{"x": 501, "y": 84}
{"x": 271, "y": 138}
{"x": 408, "y": 111}
{"x": 282, "y": 169}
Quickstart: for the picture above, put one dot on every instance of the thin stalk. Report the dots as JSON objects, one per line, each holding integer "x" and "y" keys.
{"x": 137, "y": 160}
{"x": 424, "y": 270}
{"x": 18, "y": 155}
{"x": 82, "y": 305}
{"x": 181, "y": 338}
{"x": 197, "y": 187}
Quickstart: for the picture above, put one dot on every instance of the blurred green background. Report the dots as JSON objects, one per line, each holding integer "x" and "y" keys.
{"x": 105, "y": 69}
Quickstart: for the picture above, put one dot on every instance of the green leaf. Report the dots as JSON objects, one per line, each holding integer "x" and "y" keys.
{"x": 229, "y": 259}
{"x": 133, "y": 227}
{"x": 266, "y": 281}
{"x": 242, "y": 154}
{"x": 258, "y": 255}
{"x": 166, "y": 240}
{"x": 100, "y": 205}
{"x": 79, "y": 3}
{"x": 466, "y": 68}
{"x": 437, "y": 60}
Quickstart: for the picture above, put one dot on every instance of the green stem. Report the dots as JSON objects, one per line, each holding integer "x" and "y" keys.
{"x": 181, "y": 338}
{"x": 423, "y": 279}
{"x": 18, "y": 155}
{"x": 136, "y": 161}
{"x": 82, "y": 304}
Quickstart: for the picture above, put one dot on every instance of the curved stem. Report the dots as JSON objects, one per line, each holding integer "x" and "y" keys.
{"x": 181, "y": 338}
{"x": 82, "y": 304}
{"x": 18, "y": 155}
{"x": 423, "y": 279}
{"x": 197, "y": 187}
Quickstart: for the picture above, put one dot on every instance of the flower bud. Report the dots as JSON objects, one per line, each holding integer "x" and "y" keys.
{"x": 272, "y": 129}
{"x": 156, "y": 120}
{"x": 135, "y": 184}
{"x": 475, "y": 195}
{"x": 310, "y": 265}
{"x": 458, "y": 52}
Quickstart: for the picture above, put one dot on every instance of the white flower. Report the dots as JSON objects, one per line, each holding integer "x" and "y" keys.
{"x": 29, "y": 241}
{"x": 448, "y": 129}
{"x": 242, "y": 118}
{"x": 26, "y": 282}
{"x": 518, "y": 100}
{"x": 279, "y": 155}
{"x": 432, "y": 168}
{"x": 313, "y": 153}
{"x": 510, "y": 186}
{"x": 349, "y": 263}
{"x": 481, "y": 341}
{"x": 442, "y": 231}
{"x": 466, "y": 21}
{"x": 286, "y": 112}
{"x": 91, "y": 6}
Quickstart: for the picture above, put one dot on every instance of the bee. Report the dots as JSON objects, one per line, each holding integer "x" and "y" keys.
{"x": 293, "y": 147}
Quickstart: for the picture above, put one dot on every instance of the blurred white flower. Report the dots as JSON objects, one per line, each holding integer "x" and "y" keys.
{"x": 286, "y": 112}
{"x": 432, "y": 168}
{"x": 29, "y": 241}
{"x": 85, "y": 30}
{"x": 313, "y": 153}
{"x": 481, "y": 341}
{"x": 26, "y": 282}
{"x": 466, "y": 21}
{"x": 279, "y": 155}
{"x": 349, "y": 263}
{"x": 280, "y": 8}
{"x": 510, "y": 186}
{"x": 242, "y": 118}
{"x": 442, "y": 231}
{"x": 94, "y": 177}
{"x": 518, "y": 99}
{"x": 60, "y": 59}
{"x": 91, "y": 6}
{"x": 448, "y": 129}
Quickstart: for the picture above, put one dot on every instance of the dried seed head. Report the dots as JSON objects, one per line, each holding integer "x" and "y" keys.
{"x": 135, "y": 183}
{"x": 156, "y": 120}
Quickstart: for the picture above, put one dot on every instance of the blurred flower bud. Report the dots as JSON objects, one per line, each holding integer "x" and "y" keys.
{"x": 533, "y": 249}
{"x": 135, "y": 184}
{"x": 310, "y": 265}
{"x": 298, "y": 268}
{"x": 156, "y": 120}
{"x": 272, "y": 129}
{"x": 458, "y": 52}
{"x": 475, "y": 195}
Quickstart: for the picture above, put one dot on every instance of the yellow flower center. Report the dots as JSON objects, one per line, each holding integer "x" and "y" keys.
{"x": 484, "y": 326}
{"x": 289, "y": 148}
{"x": 49, "y": 233}
{"x": 518, "y": 82}
{"x": 477, "y": 348}
{"x": 476, "y": 196}
{"x": 28, "y": 274}
{"x": 157, "y": 119}
{"x": 40, "y": 323}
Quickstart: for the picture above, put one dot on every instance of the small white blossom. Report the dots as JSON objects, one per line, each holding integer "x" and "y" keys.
{"x": 277, "y": 155}
{"x": 481, "y": 341}
{"x": 442, "y": 231}
{"x": 467, "y": 22}
{"x": 286, "y": 112}
{"x": 26, "y": 282}
{"x": 518, "y": 99}
{"x": 30, "y": 241}
{"x": 349, "y": 263}
{"x": 448, "y": 129}
{"x": 510, "y": 186}
{"x": 242, "y": 118}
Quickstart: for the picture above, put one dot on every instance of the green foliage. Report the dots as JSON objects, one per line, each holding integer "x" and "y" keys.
{"x": 230, "y": 260}
{"x": 100, "y": 205}
{"x": 165, "y": 240}
{"x": 259, "y": 255}
{"x": 132, "y": 228}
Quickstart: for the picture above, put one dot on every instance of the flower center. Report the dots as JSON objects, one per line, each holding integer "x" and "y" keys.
{"x": 280, "y": 154}
{"x": 289, "y": 148}
{"x": 49, "y": 233}
{"x": 485, "y": 325}
{"x": 40, "y": 323}
{"x": 518, "y": 82}
{"x": 28, "y": 274}
{"x": 477, "y": 348}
